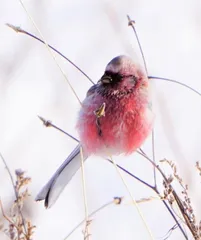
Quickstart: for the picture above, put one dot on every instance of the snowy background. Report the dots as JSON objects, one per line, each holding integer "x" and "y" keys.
{"x": 91, "y": 33}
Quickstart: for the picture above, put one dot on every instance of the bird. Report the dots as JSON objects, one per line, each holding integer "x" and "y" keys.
{"x": 115, "y": 118}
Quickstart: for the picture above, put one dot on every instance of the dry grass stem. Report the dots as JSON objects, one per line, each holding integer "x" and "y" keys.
{"x": 183, "y": 200}
{"x": 16, "y": 226}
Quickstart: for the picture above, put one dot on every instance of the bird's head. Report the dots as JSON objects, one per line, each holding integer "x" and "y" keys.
{"x": 121, "y": 72}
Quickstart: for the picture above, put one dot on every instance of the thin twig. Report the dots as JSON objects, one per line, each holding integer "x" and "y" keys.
{"x": 168, "y": 234}
{"x": 177, "y": 82}
{"x": 48, "y": 123}
{"x": 132, "y": 175}
{"x": 174, "y": 217}
{"x": 186, "y": 209}
{"x": 153, "y": 155}
{"x": 177, "y": 199}
{"x": 87, "y": 221}
{"x": 116, "y": 200}
{"x": 132, "y": 24}
{"x": 10, "y": 175}
{"x": 20, "y": 30}
{"x": 133, "y": 199}
{"x": 15, "y": 191}
{"x": 49, "y": 50}
{"x": 158, "y": 193}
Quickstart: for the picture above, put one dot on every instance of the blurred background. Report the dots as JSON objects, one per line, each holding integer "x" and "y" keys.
{"x": 91, "y": 33}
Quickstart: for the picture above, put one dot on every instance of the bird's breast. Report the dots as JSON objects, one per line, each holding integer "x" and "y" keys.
{"x": 108, "y": 126}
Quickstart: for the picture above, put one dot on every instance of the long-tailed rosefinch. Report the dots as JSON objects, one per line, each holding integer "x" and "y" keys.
{"x": 115, "y": 117}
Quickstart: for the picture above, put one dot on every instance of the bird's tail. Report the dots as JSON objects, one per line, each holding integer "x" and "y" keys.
{"x": 51, "y": 191}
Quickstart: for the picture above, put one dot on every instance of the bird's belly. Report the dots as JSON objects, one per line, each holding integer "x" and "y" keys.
{"x": 121, "y": 130}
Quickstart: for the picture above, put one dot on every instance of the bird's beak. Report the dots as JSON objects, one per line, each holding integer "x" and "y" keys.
{"x": 106, "y": 79}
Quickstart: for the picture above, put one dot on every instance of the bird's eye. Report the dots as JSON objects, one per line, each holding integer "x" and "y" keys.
{"x": 106, "y": 79}
{"x": 110, "y": 77}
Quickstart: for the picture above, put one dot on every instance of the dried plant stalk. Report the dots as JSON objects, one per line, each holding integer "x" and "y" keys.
{"x": 16, "y": 226}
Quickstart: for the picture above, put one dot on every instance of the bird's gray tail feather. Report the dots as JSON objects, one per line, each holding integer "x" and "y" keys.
{"x": 51, "y": 191}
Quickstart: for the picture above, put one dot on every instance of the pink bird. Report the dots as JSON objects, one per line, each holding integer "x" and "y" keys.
{"x": 115, "y": 118}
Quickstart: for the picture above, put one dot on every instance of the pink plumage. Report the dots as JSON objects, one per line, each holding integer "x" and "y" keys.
{"x": 115, "y": 117}
{"x": 127, "y": 119}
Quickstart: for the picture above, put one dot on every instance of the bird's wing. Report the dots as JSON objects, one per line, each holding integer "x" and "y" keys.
{"x": 51, "y": 191}
{"x": 92, "y": 90}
